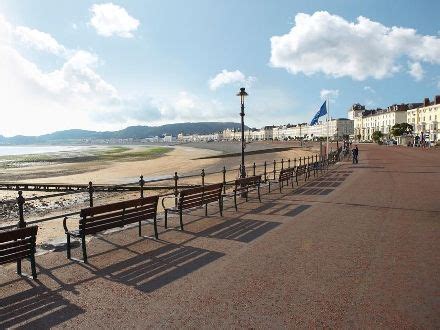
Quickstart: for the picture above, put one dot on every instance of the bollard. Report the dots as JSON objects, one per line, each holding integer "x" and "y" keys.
{"x": 141, "y": 183}
{"x": 282, "y": 164}
{"x": 274, "y": 168}
{"x": 224, "y": 179}
{"x": 308, "y": 160}
{"x": 176, "y": 191}
{"x": 294, "y": 162}
{"x": 20, "y": 202}
{"x": 288, "y": 163}
{"x": 265, "y": 171}
{"x": 203, "y": 177}
{"x": 299, "y": 161}
{"x": 91, "y": 190}
{"x": 254, "y": 169}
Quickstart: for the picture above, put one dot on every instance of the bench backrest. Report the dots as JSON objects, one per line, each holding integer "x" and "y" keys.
{"x": 17, "y": 244}
{"x": 286, "y": 174}
{"x": 250, "y": 181}
{"x": 198, "y": 196}
{"x": 301, "y": 169}
{"x": 98, "y": 218}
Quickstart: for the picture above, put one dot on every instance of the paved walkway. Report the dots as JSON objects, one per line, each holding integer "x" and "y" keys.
{"x": 358, "y": 247}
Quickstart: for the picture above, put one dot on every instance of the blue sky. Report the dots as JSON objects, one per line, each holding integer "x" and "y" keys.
{"x": 104, "y": 66}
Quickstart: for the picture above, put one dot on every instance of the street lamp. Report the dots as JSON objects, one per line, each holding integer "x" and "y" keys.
{"x": 242, "y": 95}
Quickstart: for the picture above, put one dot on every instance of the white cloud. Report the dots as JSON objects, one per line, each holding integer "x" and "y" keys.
{"x": 336, "y": 47}
{"x": 331, "y": 94}
{"x": 369, "y": 89}
{"x": 109, "y": 19}
{"x": 230, "y": 77}
{"x": 39, "y": 40}
{"x": 33, "y": 101}
{"x": 416, "y": 70}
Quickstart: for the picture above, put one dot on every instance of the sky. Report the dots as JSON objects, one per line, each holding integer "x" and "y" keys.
{"x": 108, "y": 65}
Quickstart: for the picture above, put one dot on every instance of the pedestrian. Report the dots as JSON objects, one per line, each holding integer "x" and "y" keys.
{"x": 355, "y": 152}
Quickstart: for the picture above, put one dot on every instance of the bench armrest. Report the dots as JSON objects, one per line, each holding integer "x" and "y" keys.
{"x": 66, "y": 230}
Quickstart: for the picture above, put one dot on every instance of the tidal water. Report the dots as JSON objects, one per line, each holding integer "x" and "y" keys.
{"x": 34, "y": 149}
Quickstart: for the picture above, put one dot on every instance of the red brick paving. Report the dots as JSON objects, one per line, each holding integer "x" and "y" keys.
{"x": 358, "y": 247}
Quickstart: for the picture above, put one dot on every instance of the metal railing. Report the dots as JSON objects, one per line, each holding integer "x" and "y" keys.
{"x": 267, "y": 170}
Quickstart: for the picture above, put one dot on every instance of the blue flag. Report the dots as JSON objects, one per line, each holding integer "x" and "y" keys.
{"x": 322, "y": 111}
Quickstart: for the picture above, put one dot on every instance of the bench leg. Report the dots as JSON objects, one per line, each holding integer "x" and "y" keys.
{"x": 166, "y": 219}
{"x": 84, "y": 249}
{"x": 155, "y": 227}
{"x": 19, "y": 267}
{"x": 68, "y": 246}
{"x": 34, "y": 271}
{"x": 181, "y": 220}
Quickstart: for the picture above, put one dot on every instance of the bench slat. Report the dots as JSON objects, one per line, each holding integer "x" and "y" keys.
{"x": 15, "y": 234}
{"x": 15, "y": 256}
{"x": 15, "y": 243}
{"x": 15, "y": 250}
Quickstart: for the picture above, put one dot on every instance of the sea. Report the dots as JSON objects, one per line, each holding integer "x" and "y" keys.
{"x": 37, "y": 149}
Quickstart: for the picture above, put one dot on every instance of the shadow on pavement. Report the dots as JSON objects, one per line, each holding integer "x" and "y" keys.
{"x": 238, "y": 230}
{"x": 150, "y": 271}
{"x": 36, "y": 308}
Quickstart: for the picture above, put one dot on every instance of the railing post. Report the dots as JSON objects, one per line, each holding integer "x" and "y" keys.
{"x": 20, "y": 202}
{"x": 91, "y": 190}
{"x": 265, "y": 171}
{"x": 224, "y": 179}
{"x": 176, "y": 191}
{"x": 274, "y": 168}
{"x": 203, "y": 177}
{"x": 282, "y": 164}
{"x": 254, "y": 169}
{"x": 141, "y": 183}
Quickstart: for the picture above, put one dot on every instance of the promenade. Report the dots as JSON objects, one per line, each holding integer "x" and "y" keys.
{"x": 356, "y": 247}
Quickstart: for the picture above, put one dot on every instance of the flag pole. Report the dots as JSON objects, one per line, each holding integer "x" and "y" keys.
{"x": 328, "y": 124}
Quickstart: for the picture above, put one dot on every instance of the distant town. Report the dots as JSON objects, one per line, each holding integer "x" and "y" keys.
{"x": 359, "y": 126}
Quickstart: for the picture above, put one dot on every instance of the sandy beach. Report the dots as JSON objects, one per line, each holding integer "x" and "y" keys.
{"x": 185, "y": 159}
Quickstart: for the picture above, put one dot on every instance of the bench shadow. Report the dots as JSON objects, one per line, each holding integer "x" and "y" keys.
{"x": 150, "y": 271}
{"x": 36, "y": 308}
{"x": 238, "y": 230}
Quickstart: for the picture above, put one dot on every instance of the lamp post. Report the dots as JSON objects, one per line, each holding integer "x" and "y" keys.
{"x": 242, "y": 95}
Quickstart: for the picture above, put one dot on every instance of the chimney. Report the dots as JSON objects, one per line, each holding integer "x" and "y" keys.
{"x": 426, "y": 102}
{"x": 437, "y": 99}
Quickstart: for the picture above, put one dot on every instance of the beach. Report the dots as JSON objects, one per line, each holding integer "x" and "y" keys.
{"x": 186, "y": 160}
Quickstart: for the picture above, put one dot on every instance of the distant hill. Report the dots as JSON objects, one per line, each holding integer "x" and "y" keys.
{"x": 136, "y": 132}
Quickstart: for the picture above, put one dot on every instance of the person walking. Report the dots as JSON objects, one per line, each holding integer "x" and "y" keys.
{"x": 355, "y": 152}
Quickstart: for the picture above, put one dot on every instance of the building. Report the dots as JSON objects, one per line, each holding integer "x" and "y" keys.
{"x": 368, "y": 121}
{"x": 425, "y": 120}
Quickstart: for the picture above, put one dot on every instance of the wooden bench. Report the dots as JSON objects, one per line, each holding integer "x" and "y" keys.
{"x": 286, "y": 175}
{"x": 99, "y": 218}
{"x": 195, "y": 197}
{"x": 244, "y": 185}
{"x": 18, "y": 244}
{"x": 302, "y": 170}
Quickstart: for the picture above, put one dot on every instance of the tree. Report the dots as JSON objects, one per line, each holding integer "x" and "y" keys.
{"x": 377, "y": 136}
{"x": 400, "y": 129}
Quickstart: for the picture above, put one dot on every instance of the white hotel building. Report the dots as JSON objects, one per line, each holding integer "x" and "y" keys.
{"x": 425, "y": 119}
{"x": 368, "y": 121}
